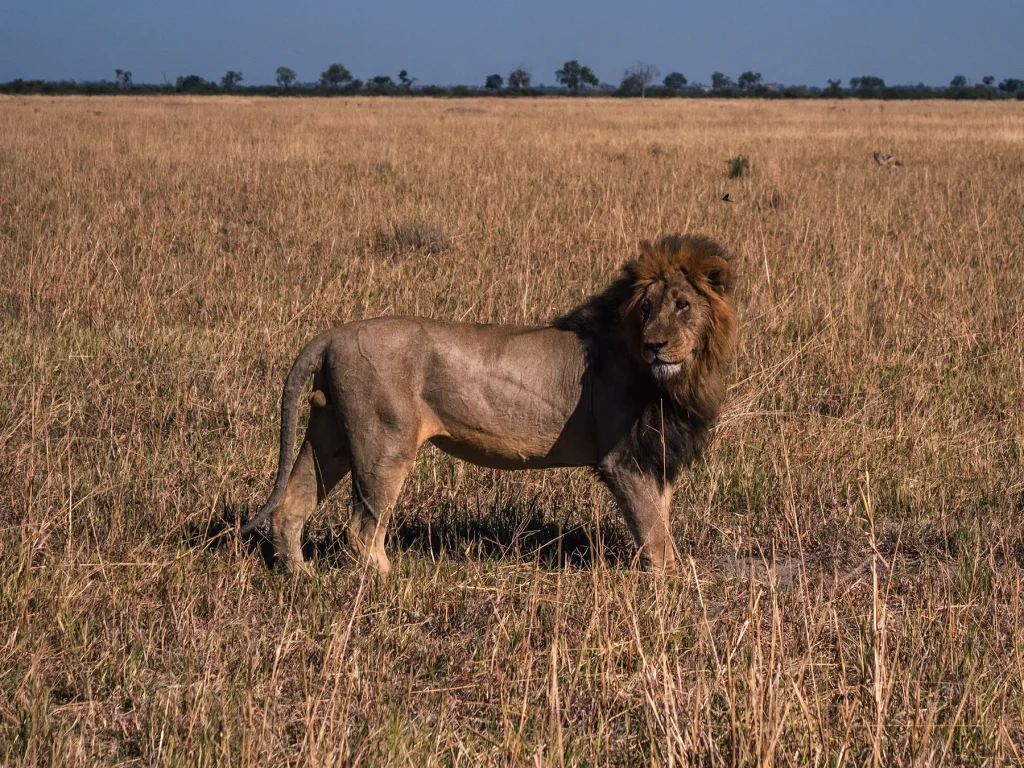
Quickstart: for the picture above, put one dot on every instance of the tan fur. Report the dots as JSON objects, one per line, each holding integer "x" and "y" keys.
{"x": 629, "y": 383}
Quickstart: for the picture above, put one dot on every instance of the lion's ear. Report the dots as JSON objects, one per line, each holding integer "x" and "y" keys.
{"x": 718, "y": 273}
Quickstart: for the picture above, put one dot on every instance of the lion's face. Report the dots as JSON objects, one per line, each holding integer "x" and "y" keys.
{"x": 681, "y": 308}
{"x": 674, "y": 322}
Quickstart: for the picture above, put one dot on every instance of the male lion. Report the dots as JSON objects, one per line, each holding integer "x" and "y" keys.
{"x": 628, "y": 383}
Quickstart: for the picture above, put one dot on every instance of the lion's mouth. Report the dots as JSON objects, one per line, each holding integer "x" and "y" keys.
{"x": 654, "y": 359}
{"x": 662, "y": 368}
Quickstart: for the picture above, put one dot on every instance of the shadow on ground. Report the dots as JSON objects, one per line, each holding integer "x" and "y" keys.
{"x": 500, "y": 533}
{"x": 218, "y": 531}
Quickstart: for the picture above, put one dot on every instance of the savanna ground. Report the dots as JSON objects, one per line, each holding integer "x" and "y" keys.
{"x": 852, "y": 543}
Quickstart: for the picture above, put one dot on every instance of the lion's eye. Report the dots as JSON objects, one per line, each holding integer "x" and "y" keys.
{"x": 645, "y": 310}
{"x": 682, "y": 304}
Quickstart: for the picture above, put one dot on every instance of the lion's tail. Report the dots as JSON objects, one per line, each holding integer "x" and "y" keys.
{"x": 308, "y": 360}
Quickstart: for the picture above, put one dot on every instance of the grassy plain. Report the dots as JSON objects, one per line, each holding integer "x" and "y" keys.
{"x": 853, "y": 541}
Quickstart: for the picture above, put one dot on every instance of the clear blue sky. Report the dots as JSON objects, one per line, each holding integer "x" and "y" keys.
{"x": 461, "y": 41}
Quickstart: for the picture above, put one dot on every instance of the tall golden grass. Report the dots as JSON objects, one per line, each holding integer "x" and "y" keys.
{"x": 852, "y": 540}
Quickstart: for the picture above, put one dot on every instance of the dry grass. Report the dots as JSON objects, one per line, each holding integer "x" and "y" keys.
{"x": 853, "y": 540}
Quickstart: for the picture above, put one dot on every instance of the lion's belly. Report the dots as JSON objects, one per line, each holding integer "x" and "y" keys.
{"x": 502, "y": 454}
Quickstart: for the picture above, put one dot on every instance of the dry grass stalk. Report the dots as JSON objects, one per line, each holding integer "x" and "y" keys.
{"x": 160, "y": 263}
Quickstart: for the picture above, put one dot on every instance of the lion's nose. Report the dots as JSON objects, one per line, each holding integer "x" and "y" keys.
{"x": 654, "y": 346}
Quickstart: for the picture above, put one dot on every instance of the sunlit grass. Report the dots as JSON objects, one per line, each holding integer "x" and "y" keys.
{"x": 852, "y": 541}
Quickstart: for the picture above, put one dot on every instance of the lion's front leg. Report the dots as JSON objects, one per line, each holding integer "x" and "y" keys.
{"x": 645, "y": 502}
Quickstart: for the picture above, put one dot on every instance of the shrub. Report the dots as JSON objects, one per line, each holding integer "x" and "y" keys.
{"x": 194, "y": 84}
{"x": 412, "y": 235}
{"x": 738, "y": 166}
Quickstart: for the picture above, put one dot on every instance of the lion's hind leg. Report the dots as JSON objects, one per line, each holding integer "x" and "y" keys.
{"x": 322, "y": 462}
{"x": 375, "y": 488}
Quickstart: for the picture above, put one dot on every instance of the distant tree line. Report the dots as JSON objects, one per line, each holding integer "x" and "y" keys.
{"x": 572, "y": 78}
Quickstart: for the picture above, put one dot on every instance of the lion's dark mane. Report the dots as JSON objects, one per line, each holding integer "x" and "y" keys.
{"x": 672, "y": 422}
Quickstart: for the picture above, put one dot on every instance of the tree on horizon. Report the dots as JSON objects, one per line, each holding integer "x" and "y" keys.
{"x": 519, "y": 78}
{"x": 749, "y": 79}
{"x": 193, "y": 84}
{"x": 285, "y": 76}
{"x": 405, "y": 80}
{"x": 720, "y": 81}
{"x": 230, "y": 79}
{"x": 639, "y": 77}
{"x": 574, "y": 75}
{"x": 335, "y": 75}
{"x": 866, "y": 81}
{"x": 675, "y": 81}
